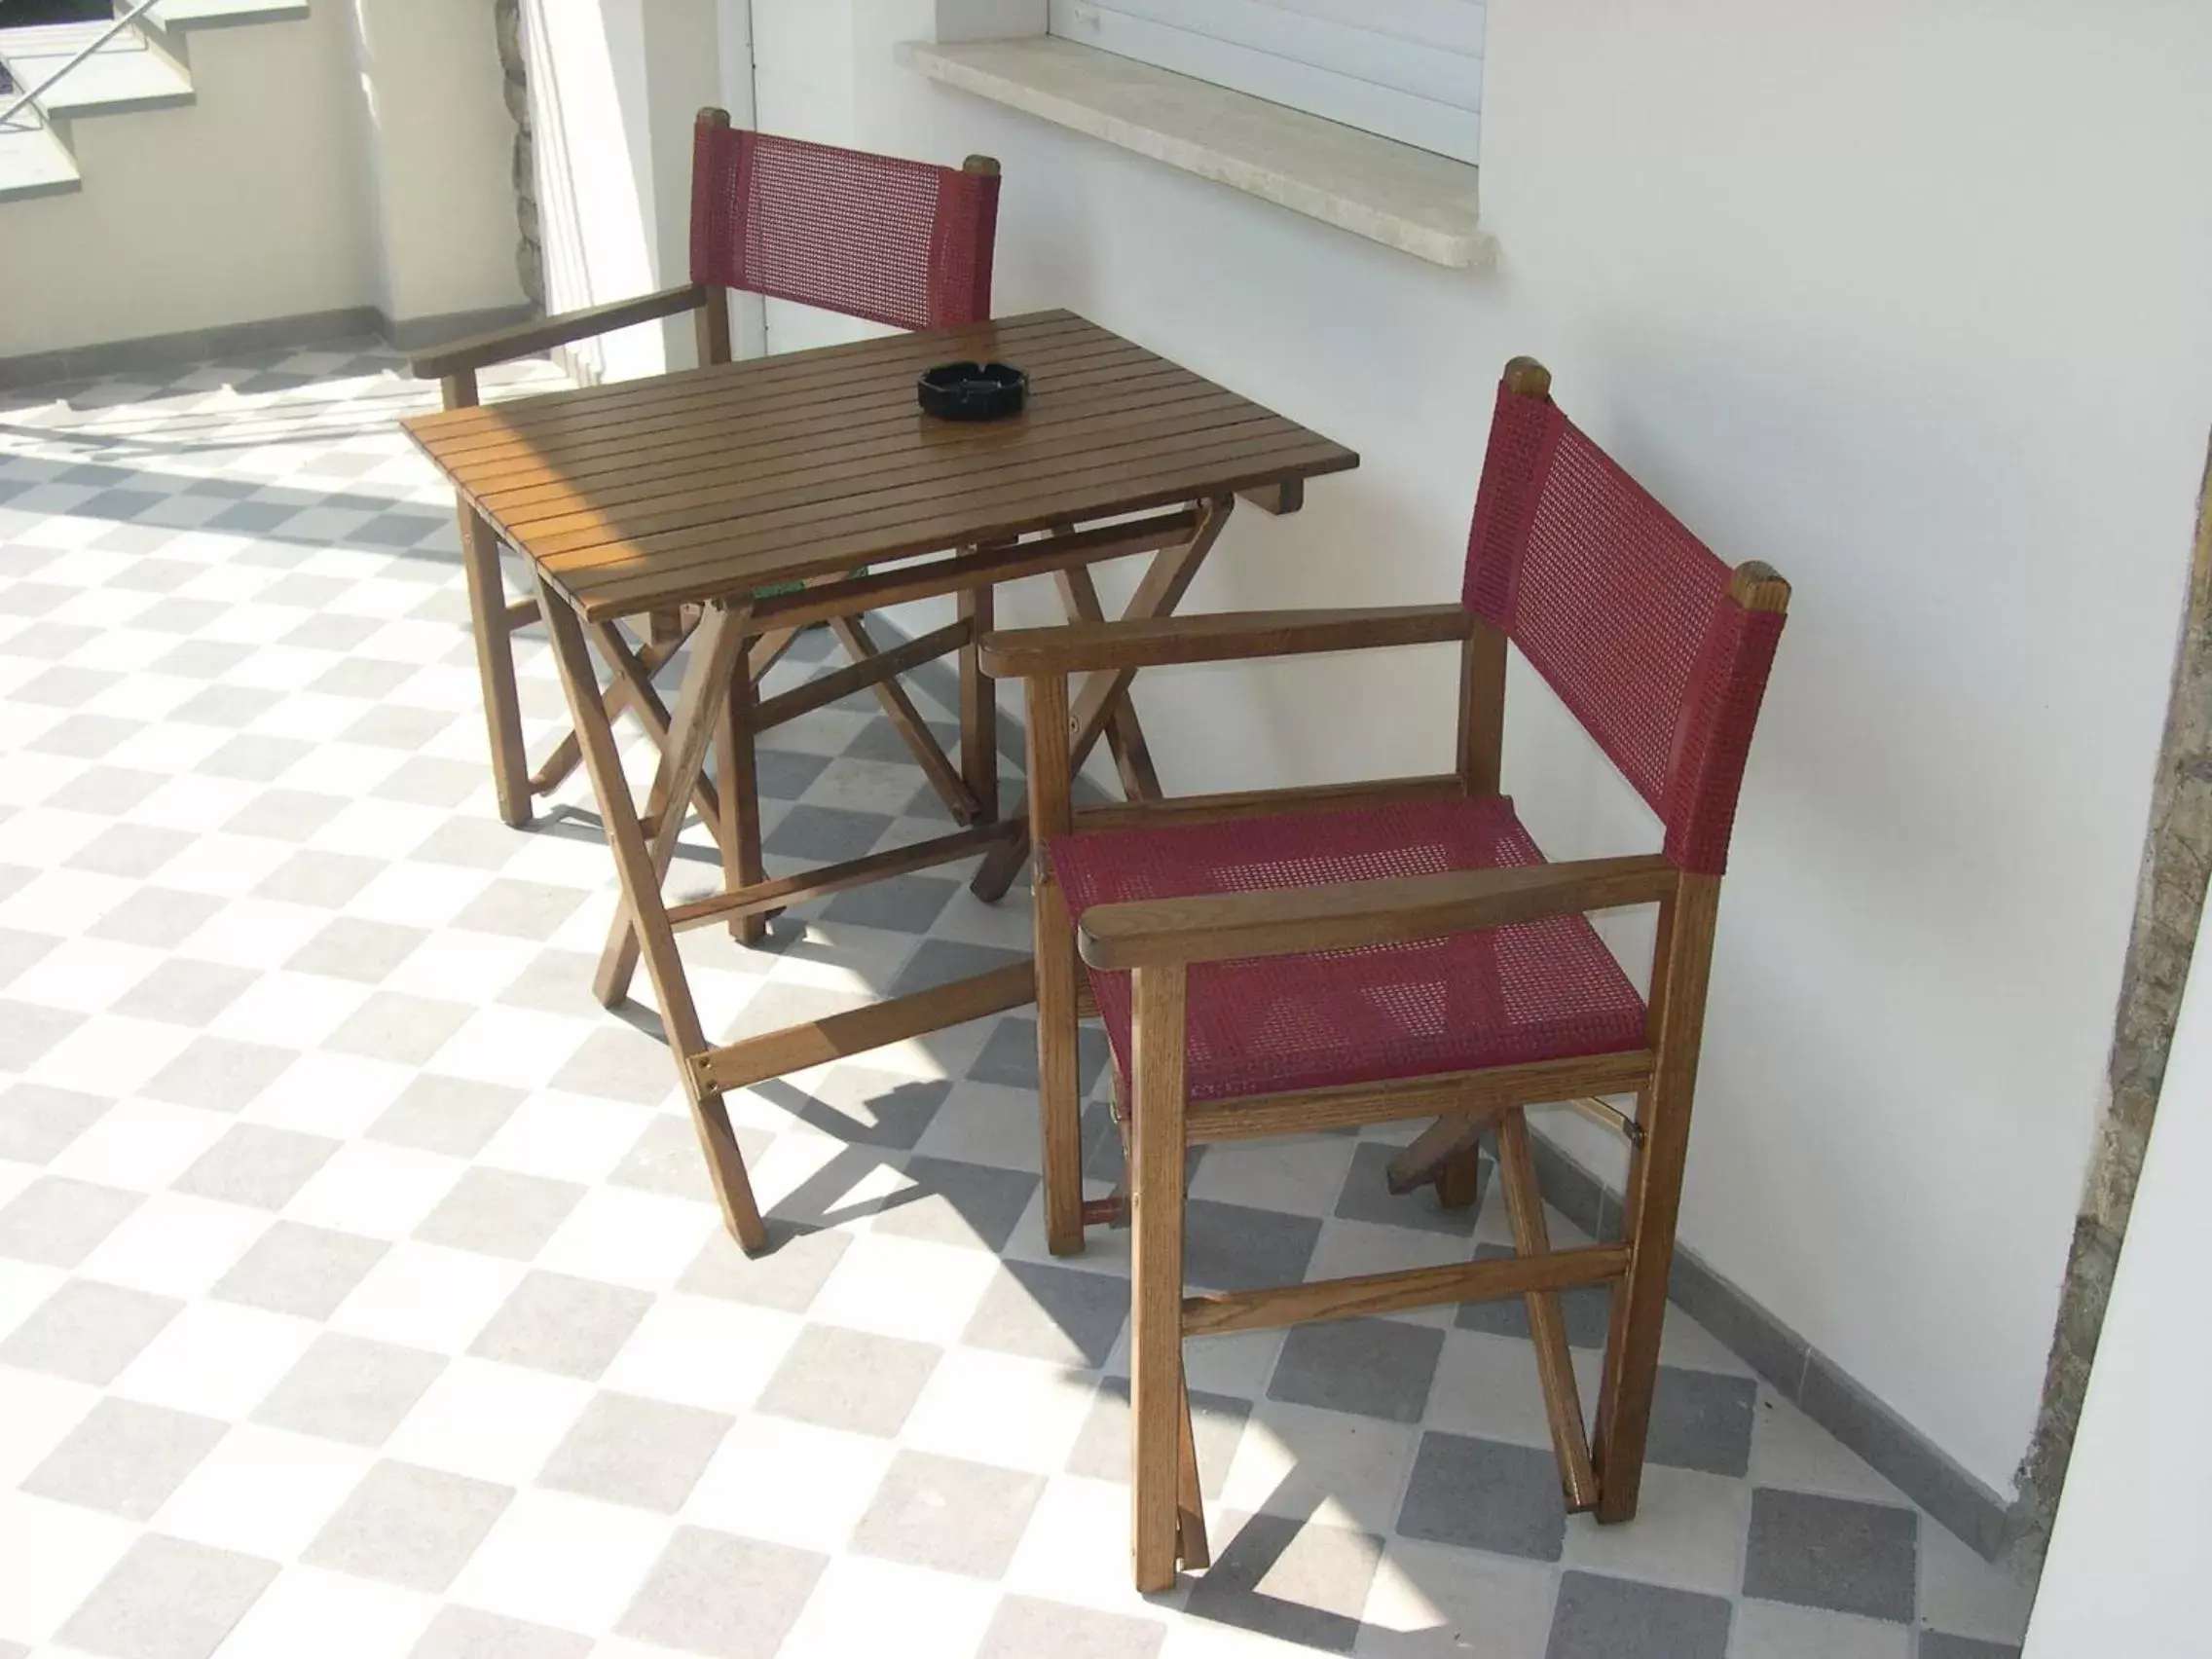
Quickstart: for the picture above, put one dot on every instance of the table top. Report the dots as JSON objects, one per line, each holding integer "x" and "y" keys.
{"x": 719, "y": 481}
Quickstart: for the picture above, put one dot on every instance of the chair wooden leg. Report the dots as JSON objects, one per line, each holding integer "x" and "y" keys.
{"x": 1547, "y": 1326}
{"x": 740, "y": 779}
{"x": 979, "y": 707}
{"x": 1155, "y": 1274}
{"x": 1459, "y": 1183}
{"x": 1653, "y": 1196}
{"x": 641, "y": 868}
{"x": 1059, "y": 1084}
{"x": 1189, "y": 1498}
{"x": 852, "y": 633}
{"x": 496, "y": 666}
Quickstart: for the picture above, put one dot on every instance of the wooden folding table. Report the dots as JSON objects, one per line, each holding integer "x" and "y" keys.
{"x": 743, "y": 500}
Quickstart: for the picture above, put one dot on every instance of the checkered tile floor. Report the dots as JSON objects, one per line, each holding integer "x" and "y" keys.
{"x": 359, "y": 1292}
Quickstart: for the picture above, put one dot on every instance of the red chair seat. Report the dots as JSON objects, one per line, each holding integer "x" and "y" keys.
{"x": 1531, "y": 991}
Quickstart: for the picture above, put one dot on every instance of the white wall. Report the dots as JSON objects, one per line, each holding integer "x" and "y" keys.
{"x": 1914, "y": 308}
{"x": 614, "y": 87}
{"x": 356, "y": 157}
{"x": 252, "y": 203}
{"x": 439, "y": 145}
{"x": 2127, "y": 1557}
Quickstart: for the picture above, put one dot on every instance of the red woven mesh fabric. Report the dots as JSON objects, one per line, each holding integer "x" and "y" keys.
{"x": 1533, "y": 991}
{"x": 895, "y": 242}
{"x": 1626, "y": 615}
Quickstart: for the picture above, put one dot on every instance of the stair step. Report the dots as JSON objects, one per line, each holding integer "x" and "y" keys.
{"x": 204, "y": 14}
{"x": 32, "y": 161}
{"x": 127, "y": 72}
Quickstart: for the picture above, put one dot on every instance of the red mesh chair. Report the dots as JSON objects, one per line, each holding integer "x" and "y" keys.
{"x": 905, "y": 244}
{"x": 1294, "y": 960}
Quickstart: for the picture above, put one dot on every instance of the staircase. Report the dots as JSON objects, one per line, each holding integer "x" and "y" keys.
{"x": 144, "y": 65}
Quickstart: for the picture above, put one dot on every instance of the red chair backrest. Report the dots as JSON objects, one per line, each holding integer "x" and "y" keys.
{"x": 1626, "y": 615}
{"x": 895, "y": 242}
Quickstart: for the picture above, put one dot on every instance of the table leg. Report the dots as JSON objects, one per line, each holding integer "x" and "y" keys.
{"x": 714, "y": 660}
{"x": 640, "y": 870}
{"x": 1104, "y": 699}
{"x": 852, "y": 633}
{"x": 1124, "y": 738}
{"x": 740, "y": 830}
{"x": 978, "y": 706}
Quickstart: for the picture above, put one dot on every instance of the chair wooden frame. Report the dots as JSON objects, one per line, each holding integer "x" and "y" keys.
{"x": 1157, "y": 942}
{"x": 494, "y": 619}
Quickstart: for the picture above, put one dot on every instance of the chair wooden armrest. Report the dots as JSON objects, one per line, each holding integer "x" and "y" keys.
{"x": 1020, "y": 653}
{"x": 1227, "y": 927}
{"x": 525, "y": 338}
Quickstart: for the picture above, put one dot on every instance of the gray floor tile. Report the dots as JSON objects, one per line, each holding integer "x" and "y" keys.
{"x": 299, "y": 1270}
{"x": 666, "y": 1158}
{"x": 1376, "y": 1367}
{"x": 181, "y": 992}
{"x": 167, "y": 1599}
{"x": 159, "y": 917}
{"x": 941, "y": 961}
{"x": 647, "y": 1454}
{"x": 1586, "y": 1311}
{"x": 258, "y": 1165}
{"x": 952, "y": 1203}
{"x": 27, "y": 1031}
{"x": 1617, "y": 1618}
{"x": 1236, "y": 1247}
{"x": 786, "y": 775}
{"x": 109, "y": 791}
{"x": 1702, "y": 1420}
{"x": 125, "y": 1458}
{"x": 353, "y": 947}
{"x": 1102, "y": 1449}
{"x": 349, "y": 1389}
{"x": 787, "y": 1277}
{"x": 1044, "y": 1311}
{"x": 1295, "y": 1581}
{"x": 284, "y": 815}
{"x": 572, "y": 1326}
{"x": 38, "y": 1121}
{"x": 948, "y": 1514}
{"x": 407, "y": 1526}
{"x": 618, "y": 1063}
{"x": 450, "y": 1115}
{"x": 849, "y": 1380}
{"x": 464, "y": 1633}
{"x": 87, "y": 1331}
{"x": 219, "y": 1074}
{"x": 721, "y": 1597}
{"x": 1485, "y": 1495}
{"x": 520, "y": 909}
{"x": 1010, "y": 1055}
{"x": 907, "y": 904}
{"x": 392, "y": 1025}
{"x": 20, "y": 951}
{"x": 59, "y": 1222}
{"x": 1935, "y": 1645}
{"x": 1366, "y": 1197}
{"x": 94, "y": 737}
{"x": 426, "y": 779}
{"x": 392, "y": 725}
{"x": 233, "y": 706}
{"x": 872, "y": 1108}
{"x": 326, "y": 880}
{"x": 1832, "y": 1552}
{"x": 501, "y": 1212}
{"x": 1025, "y": 1627}
{"x": 824, "y": 835}
{"x": 255, "y": 758}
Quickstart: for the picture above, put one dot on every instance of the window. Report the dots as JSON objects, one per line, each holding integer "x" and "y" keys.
{"x": 1407, "y": 69}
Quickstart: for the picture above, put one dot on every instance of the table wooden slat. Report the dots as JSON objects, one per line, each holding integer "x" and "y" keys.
{"x": 712, "y": 482}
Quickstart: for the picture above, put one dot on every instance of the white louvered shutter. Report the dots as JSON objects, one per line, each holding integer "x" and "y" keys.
{"x": 1408, "y": 70}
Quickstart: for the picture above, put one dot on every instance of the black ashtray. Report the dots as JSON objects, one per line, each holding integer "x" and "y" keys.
{"x": 971, "y": 392}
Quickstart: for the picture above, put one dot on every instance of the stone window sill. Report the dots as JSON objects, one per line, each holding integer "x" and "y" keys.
{"x": 1420, "y": 204}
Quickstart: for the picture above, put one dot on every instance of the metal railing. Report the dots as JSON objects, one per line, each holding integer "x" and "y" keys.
{"x": 123, "y": 21}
